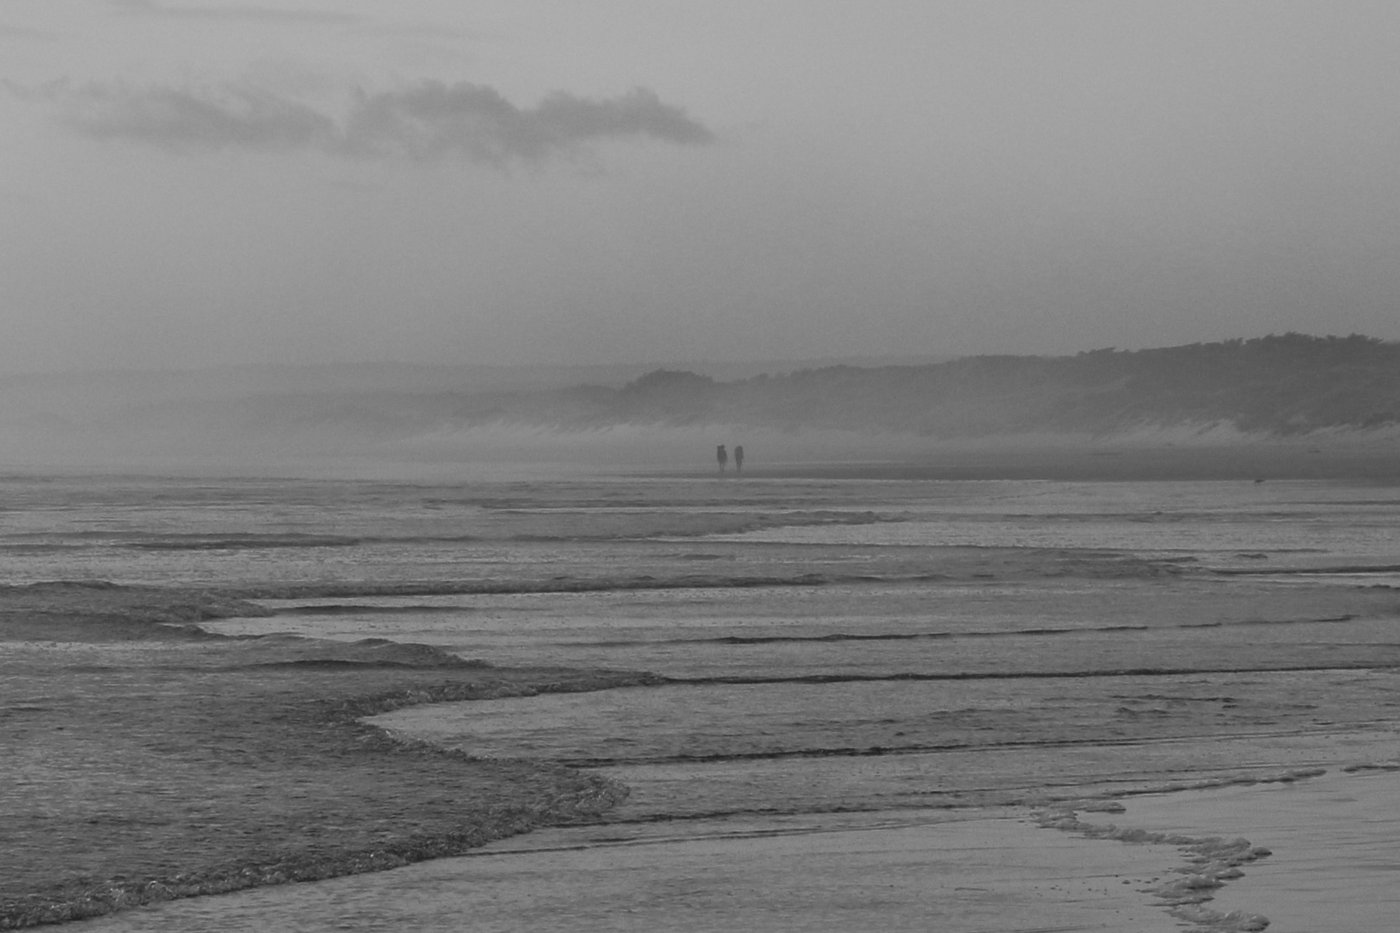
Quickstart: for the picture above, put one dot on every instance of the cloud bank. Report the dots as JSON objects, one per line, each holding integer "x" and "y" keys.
{"x": 426, "y": 121}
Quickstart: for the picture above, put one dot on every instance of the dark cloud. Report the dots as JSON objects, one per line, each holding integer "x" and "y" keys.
{"x": 474, "y": 122}
{"x": 427, "y": 121}
{"x": 233, "y": 11}
{"x": 231, "y": 117}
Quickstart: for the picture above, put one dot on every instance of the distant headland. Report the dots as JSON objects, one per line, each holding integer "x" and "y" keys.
{"x": 1324, "y": 397}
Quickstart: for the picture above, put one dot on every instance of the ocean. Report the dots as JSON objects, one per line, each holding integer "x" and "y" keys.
{"x": 874, "y": 688}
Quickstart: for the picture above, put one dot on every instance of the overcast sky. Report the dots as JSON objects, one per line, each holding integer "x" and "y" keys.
{"x": 190, "y": 183}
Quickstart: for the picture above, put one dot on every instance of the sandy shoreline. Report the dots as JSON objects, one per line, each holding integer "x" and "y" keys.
{"x": 914, "y": 873}
{"x": 1332, "y": 839}
{"x": 1093, "y": 460}
{"x": 156, "y": 759}
{"x": 976, "y": 873}
{"x": 975, "y": 870}
{"x": 147, "y": 761}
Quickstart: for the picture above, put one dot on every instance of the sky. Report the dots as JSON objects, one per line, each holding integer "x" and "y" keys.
{"x": 204, "y": 183}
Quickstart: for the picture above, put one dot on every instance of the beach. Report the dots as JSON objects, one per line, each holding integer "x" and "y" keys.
{"x": 821, "y": 700}
{"x": 1331, "y": 866}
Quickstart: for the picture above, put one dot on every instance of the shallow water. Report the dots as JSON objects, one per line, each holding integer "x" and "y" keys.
{"x": 838, "y": 650}
{"x": 1335, "y": 842}
{"x": 973, "y": 876}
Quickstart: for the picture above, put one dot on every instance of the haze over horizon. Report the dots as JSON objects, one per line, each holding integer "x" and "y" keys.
{"x": 190, "y": 184}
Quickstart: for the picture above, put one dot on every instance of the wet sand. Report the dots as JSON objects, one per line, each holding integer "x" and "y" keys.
{"x": 1331, "y": 866}
{"x": 1136, "y": 671}
{"x": 1335, "y": 841}
{"x": 151, "y": 760}
{"x": 1325, "y": 844}
{"x": 921, "y": 872}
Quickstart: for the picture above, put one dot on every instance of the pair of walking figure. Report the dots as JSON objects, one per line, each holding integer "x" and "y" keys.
{"x": 722, "y": 456}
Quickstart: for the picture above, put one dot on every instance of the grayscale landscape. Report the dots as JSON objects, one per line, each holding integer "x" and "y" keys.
{"x": 643, "y": 466}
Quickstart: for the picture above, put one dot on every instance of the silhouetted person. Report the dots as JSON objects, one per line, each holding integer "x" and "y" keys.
{"x": 722, "y": 456}
{"x": 739, "y": 459}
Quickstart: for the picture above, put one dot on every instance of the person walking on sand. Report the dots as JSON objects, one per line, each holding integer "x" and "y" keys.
{"x": 739, "y": 459}
{"x": 722, "y": 456}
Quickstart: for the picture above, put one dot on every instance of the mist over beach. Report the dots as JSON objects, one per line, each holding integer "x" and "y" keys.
{"x": 1281, "y": 405}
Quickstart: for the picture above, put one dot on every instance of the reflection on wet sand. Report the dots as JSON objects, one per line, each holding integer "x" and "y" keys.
{"x": 917, "y": 873}
{"x": 864, "y": 691}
